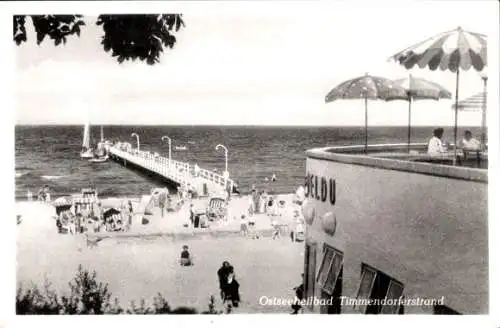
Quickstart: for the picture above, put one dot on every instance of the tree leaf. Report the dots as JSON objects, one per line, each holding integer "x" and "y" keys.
{"x": 126, "y": 36}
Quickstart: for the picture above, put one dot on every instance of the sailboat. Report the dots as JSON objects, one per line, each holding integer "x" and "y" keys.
{"x": 86, "y": 149}
{"x": 101, "y": 155}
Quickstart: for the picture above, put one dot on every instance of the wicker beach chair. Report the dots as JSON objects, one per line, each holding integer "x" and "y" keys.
{"x": 217, "y": 208}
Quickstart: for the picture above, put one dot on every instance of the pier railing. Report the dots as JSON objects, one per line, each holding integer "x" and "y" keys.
{"x": 190, "y": 176}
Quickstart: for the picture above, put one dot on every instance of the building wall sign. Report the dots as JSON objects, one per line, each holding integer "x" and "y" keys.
{"x": 323, "y": 189}
{"x": 320, "y": 188}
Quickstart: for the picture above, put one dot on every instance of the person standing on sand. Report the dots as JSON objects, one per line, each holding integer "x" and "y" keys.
{"x": 78, "y": 223}
{"x": 243, "y": 226}
{"x": 262, "y": 202}
{"x": 46, "y": 193}
{"x": 256, "y": 201}
{"x": 186, "y": 257}
{"x": 162, "y": 200}
{"x": 130, "y": 211}
{"x": 299, "y": 296}
{"x": 191, "y": 214}
{"x": 276, "y": 228}
{"x": 196, "y": 170}
{"x": 40, "y": 195}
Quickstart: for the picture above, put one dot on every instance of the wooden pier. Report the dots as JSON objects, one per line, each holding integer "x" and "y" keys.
{"x": 195, "y": 179}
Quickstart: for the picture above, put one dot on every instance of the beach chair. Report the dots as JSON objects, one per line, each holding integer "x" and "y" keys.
{"x": 217, "y": 208}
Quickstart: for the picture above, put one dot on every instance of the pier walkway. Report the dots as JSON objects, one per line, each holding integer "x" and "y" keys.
{"x": 201, "y": 181}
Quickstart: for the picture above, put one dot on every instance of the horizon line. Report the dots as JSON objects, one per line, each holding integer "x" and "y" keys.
{"x": 238, "y": 125}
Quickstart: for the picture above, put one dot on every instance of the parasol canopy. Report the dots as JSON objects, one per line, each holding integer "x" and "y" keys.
{"x": 366, "y": 87}
{"x": 112, "y": 211}
{"x": 447, "y": 51}
{"x": 474, "y": 102}
{"x": 63, "y": 201}
{"x": 420, "y": 89}
{"x": 451, "y": 51}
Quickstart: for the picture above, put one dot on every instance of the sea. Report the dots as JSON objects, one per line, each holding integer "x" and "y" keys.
{"x": 50, "y": 155}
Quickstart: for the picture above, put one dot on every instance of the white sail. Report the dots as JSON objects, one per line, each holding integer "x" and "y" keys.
{"x": 102, "y": 134}
{"x": 86, "y": 136}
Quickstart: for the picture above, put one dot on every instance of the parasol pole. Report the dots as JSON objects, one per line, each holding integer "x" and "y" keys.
{"x": 455, "y": 131}
{"x": 483, "y": 118}
{"x": 366, "y": 124}
{"x": 409, "y": 120}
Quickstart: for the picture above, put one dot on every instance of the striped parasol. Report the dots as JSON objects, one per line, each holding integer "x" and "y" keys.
{"x": 472, "y": 103}
{"x": 479, "y": 100}
{"x": 367, "y": 87}
{"x": 420, "y": 89}
{"x": 451, "y": 51}
{"x": 63, "y": 201}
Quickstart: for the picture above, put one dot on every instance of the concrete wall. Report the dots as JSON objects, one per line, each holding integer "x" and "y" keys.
{"x": 428, "y": 232}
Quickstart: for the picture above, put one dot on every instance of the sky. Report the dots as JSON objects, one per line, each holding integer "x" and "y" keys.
{"x": 251, "y": 64}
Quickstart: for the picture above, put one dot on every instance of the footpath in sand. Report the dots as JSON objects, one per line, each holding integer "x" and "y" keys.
{"x": 140, "y": 267}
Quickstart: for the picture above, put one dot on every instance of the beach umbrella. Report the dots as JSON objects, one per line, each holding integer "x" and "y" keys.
{"x": 112, "y": 211}
{"x": 471, "y": 103}
{"x": 420, "y": 89}
{"x": 366, "y": 87}
{"x": 452, "y": 50}
{"x": 479, "y": 100}
{"x": 62, "y": 201}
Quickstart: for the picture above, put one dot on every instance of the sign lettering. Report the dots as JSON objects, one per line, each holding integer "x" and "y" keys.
{"x": 320, "y": 188}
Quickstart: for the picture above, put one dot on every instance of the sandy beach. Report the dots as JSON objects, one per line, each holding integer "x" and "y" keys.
{"x": 146, "y": 261}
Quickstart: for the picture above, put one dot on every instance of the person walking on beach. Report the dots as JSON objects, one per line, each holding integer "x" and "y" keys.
{"x": 223, "y": 274}
{"x": 231, "y": 292}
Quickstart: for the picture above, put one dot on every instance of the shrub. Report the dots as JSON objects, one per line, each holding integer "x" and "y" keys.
{"x": 89, "y": 296}
{"x": 211, "y": 307}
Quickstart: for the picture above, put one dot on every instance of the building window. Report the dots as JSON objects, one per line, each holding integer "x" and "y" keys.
{"x": 330, "y": 279}
{"x": 442, "y": 309}
{"x": 376, "y": 286}
{"x": 309, "y": 270}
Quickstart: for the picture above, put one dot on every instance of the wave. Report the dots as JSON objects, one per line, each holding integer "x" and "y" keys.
{"x": 22, "y": 171}
{"x": 53, "y": 177}
{"x": 23, "y": 168}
